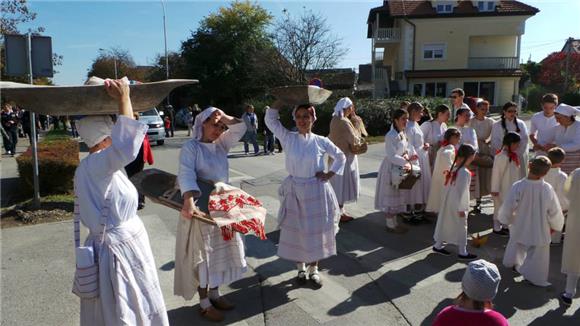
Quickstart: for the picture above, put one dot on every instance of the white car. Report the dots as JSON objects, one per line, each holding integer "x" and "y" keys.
{"x": 156, "y": 132}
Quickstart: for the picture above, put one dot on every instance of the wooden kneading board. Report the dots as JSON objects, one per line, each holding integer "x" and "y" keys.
{"x": 161, "y": 187}
{"x": 86, "y": 99}
{"x": 301, "y": 94}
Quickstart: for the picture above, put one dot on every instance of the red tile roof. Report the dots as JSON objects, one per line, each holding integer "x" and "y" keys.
{"x": 465, "y": 8}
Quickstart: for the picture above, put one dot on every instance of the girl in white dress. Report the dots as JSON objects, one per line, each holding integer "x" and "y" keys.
{"x": 482, "y": 126}
{"x": 203, "y": 259}
{"x": 505, "y": 172}
{"x": 418, "y": 195}
{"x": 570, "y": 257}
{"x": 445, "y": 157}
{"x": 399, "y": 155}
{"x": 451, "y": 225}
{"x": 433, "y": 130}
{"x": 510, "y": 123}
{"x": 309, "y": 212}
{"x": 106, "y": 201}
{"x": 468, "y": 136}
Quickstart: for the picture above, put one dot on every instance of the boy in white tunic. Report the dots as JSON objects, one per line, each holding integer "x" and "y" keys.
{"x": 505, "y": 172}
{"x": 203, "y": 259}
{"x": 556, "y": 178}
{"x": 542, "y": 123}
{"x": 451, "y": 225}
{"x": 532, "y": 210}
{"x": 570, "y": 256}
{"x": 443, "y": 162}
{"x": 129, "y": 291}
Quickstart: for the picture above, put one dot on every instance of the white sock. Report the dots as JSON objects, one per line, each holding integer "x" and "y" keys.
{"x": 438, "y": 245}
{"x": 462, "y": 250}
{"x": 214, "y": 294}
{"x": 301, "y": 267}
{"x": 313, "y": 269}
{"x": 204, "y": 303}
{"x": 391, "y": 222}
{"x": 496, "y": 225}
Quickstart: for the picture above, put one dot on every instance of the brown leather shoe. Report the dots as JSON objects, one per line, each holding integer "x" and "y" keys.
{"x": 211, "y": 314}
{"x": 345, "y": 218}
{"x": 222, "y": 304}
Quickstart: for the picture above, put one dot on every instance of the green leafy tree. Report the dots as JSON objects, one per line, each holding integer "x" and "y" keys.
{"x": 230, "y": 54}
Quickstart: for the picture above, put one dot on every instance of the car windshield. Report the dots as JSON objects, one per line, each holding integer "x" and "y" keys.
{"x": 149, "y": 112}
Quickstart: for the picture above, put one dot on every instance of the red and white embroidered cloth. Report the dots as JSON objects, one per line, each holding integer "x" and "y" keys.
{"x": 234, "y": 210}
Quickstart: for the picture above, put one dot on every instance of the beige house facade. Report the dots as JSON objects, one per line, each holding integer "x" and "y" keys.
{"x": 428, "y": 48}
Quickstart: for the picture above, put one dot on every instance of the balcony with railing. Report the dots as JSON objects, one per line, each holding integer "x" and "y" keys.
{"x": 488, "y": 63}
{"x": 388, "y": 35}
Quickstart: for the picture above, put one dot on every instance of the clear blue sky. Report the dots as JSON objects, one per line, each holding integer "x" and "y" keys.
{"x": 79, "y": 28}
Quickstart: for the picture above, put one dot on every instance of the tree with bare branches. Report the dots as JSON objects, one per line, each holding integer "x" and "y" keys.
{"x": 307, "y": 43}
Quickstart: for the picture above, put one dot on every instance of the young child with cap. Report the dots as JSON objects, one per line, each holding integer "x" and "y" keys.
{"x": 474, "y": 305}
{"x": 533, "y": 212}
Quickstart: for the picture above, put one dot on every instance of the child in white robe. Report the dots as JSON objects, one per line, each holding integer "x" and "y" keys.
{"x": 532, "y": 211}
{"x": 451, "y": 225}
{"x": 443, "y": 161}
{"x": 506, "y": 171}
{"x": 570, "y": 256}
{"x": 434, "y": 130}
{"x": 509, "y": 122}
{"x": 556, "y": 178}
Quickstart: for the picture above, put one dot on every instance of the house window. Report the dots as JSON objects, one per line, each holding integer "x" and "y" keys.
{"x": 434, "y": 89}
{"x": 444, "y": 8}
{"x": 418, "y": 89}
{"x": 485, "y": 90}
{"x": 434, "y": 51}
{"x": 486, "y": 6}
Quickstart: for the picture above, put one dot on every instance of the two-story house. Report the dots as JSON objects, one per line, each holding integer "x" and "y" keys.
{"x": 428, "y": 48}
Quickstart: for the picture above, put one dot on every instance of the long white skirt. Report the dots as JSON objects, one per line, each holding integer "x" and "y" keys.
{"x": 346, "y": 186}
{"x": 308, "y": 220}
{"x": 224, "y": 261}
{"x": 419, "y": 194}
{"x": 387, "y": 198}
{"x": 129, "y": 287}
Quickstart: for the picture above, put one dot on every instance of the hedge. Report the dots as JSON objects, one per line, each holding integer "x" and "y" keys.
{"x": 58, "y": 159}
{"x": 375, "y": 113}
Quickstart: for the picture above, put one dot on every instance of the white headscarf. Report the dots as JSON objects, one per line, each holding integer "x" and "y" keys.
{"x": 342, "y": 104}
{"x": 94, "y": 129}
{"x": 200, "y": 119}
{"x": 567, "y": 110}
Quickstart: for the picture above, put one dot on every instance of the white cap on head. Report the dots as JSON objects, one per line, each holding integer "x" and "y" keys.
{"x": 567, "y": 110}
{"x": 94, "y": 129}
{"x": 342, "y": 104}
{"x": 481, "y": 280}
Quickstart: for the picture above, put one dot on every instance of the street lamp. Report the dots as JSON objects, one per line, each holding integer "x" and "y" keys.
{"x": 165, "y": 40}
{"x": 114, "y": 56}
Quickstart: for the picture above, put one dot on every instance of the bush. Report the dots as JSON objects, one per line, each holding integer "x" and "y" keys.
{"x": 571, "y": 99}
{"x": 534, "y": 95}
{"x": 58, "y": 159}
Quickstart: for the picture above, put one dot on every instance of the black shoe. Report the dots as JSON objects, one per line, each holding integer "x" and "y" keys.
{"x": 502, "y": 232}
{"x": 441, "y": 251}
{"x": 140, "y": 206}
{"x": 301, "y": 278}
{"x": 476, "y": 210}
{"x": 565, "y": 300}
{"x": 467, "y": 257}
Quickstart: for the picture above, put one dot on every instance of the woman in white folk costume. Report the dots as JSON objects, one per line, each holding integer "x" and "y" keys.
{"x": 443, "y": 161}
{"x": 532, "y": 211}
{"x": 510, "y": 123}
{"x": 309, "y": 212}
{"x": 542, "y": 123}
{"x": 418, "y": 195}
{"x": 566, "y": 135}
{"x": 399, "y": 154}
{"x": 203, "y": 259}
{"x": 505, "y": 172}
{"x": 344, "y": 135}
{"x": 570, "y": 257}
{"x": 482, "y": 126}
{"x": 106, "y": 201}
{"x": 433, "y": 130}
{"x": 451, "y": 225}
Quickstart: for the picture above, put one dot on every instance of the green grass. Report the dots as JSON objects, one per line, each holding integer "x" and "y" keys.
{"x": 55, "y": 135}
{"x": 375, "y": 139}
{"x": 60, "y": 198}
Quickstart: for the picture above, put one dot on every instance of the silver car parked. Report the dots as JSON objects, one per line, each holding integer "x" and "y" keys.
{"x": 156, "y": 132}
